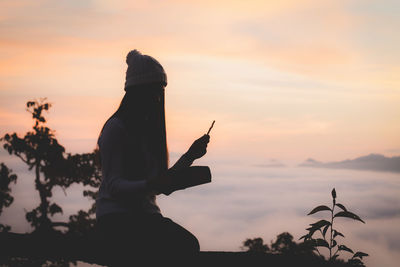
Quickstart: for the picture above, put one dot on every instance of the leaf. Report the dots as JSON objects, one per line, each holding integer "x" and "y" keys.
{"x": 334, "y": 243}
{"x": 343, "y": 247}
{"x": 317, "y": 226}
{"x": 335, "y": 256}
{"x": 320, "y": 223}
{"x": 311, "y": 231}
{"x": 319, "y": 208}
{"x": 334, "y": 193}
{"x": 325, "y": 229}
{"x": 319, "y": 242}
{"x": 341, "y": 206}
{"x": 355, "y": 262}
{"x": 336, "y": 233}
{"x": 360, "y": 254}
{"x": 304, "y": 237}
{"x": 30, "y": 103}
{"x": 54, "y": 208}
{"x": 348, "y": 214}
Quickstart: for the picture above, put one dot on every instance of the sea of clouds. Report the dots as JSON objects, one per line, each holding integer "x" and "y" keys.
{"x": 246, "y": 201}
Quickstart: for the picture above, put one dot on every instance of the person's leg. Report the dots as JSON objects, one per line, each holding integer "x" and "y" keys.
{"x": 119, "y": 243}
{"x": 146, "y": 238}
{"x": 179, "y": 238}
{"x": 168, "y": 242}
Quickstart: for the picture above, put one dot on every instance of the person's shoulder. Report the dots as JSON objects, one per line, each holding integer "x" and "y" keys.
{"x": 115, "y": 122}
{"x": 114, "y": 128}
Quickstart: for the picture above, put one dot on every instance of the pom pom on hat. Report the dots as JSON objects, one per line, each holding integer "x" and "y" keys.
{"x": 131, "y": 55}
{"x": 143, "y": 69}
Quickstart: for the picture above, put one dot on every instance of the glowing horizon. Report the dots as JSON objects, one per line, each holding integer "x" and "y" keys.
{"x": 286, "y": 80}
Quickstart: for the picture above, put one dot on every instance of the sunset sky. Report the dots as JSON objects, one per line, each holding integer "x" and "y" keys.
{"x": 284, "y": 80}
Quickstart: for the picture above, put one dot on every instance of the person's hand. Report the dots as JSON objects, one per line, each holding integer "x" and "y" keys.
{"x": 198, "y": 148}
{"x": 161, "y": 184}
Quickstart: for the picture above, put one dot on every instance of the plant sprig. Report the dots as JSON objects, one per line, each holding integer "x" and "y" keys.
{"x": 331, "y": 242}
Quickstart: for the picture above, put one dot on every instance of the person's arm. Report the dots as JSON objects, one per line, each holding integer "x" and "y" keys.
{"x": 196, "y": 150}
{"x": 112, "y": 153}
{"x": 183, "y": 162}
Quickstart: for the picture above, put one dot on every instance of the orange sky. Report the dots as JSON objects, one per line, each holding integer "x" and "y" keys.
{"x": 286, "y": 80}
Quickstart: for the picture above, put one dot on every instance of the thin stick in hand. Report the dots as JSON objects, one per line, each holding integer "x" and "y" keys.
{"x": 212, "y": 125}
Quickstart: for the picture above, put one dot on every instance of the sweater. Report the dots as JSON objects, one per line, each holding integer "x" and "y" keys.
{"x": 123, "y": 189}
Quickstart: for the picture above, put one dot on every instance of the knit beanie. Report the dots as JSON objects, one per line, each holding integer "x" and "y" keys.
{"x": 143, "y": 69}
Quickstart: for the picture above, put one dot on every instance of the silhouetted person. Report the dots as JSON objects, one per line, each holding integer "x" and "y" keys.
{"x": 134, "y": 159}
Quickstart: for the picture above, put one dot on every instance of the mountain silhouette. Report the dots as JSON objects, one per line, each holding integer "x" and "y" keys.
{"x": 371, "y": 162}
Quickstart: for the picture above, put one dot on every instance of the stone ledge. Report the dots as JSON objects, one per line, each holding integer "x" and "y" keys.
{"x": 58, "y": 246}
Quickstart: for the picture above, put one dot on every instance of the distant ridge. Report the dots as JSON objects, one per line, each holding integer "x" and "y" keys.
{"x": 371, "y": 162}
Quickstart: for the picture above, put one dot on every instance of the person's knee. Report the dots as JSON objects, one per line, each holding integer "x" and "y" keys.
{"x": 174, "y": 237}
{"x": 195, "y": 244}
{"x": 189, "y": 243}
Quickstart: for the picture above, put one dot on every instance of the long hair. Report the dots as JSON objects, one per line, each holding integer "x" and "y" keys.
{"x": 143, "y": 113}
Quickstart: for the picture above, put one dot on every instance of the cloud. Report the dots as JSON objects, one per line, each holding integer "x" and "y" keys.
{"x": 258, "y": 62}
{"x": 244, "y": 201}
{"x": 390, "y": 236}
{"x": 273, "y": 163}
{"x": 395, "y": 150}
{"x": 372, "y": 162}
{"x": 234, "y": 30}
